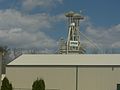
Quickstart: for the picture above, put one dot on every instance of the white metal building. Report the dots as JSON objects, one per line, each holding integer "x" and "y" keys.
{"x": 66, "y": 72}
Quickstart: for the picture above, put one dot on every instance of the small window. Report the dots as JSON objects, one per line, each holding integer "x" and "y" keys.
{"x": 118, "y": 86}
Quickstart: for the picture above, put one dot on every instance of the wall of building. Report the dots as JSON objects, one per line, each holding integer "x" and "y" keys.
{"x": 98, "y": 78}
{"x": 61, "y": 78}
{"x": 64, "y": 78}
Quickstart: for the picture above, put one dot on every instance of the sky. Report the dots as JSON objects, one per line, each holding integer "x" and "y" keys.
{"x": 41, "y": 23}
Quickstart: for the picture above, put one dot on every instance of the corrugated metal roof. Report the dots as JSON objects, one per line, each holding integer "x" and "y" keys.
{"x": 58, "y": 59}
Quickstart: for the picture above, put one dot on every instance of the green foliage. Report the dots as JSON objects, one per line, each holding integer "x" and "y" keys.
{"x": 4, "y": 49}
{"x": 38, "y": 85}
{"x": 6, "y": 85}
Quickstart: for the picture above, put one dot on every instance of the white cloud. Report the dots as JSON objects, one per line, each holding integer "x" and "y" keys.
{"x": 23, "y": 39}
{"x": 58, "y": 18}
{"x": 12, "y": 19}
{"x": 26, "y": 31}
{"x": 116, "y": 44}
{"x": 30, "y": 4}
{"x": 104, "y": 37}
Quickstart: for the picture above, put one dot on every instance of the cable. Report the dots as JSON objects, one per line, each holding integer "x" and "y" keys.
{"x": 91, "y": 42}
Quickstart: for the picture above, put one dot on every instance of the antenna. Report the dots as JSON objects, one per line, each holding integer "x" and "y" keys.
{"x": 81, "y": 11}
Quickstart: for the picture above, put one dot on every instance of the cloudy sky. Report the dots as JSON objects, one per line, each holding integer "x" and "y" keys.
{"x": 40, "y": 23}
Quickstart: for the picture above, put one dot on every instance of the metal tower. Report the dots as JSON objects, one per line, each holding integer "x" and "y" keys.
{"x": 73, "y": 40}
{"x": 72, "y": 45}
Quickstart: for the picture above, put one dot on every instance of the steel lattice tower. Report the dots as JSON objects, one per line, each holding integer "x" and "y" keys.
{"x": 73, "y": 40}
{"x": 73, "y": 45}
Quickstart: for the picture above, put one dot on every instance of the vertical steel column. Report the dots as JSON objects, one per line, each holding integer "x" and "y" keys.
{"x": 76, "y": 77}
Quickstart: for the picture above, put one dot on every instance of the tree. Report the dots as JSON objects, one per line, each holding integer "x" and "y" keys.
{"x": 39, "y": 84}
{"x": 5, "y": 56}
{"x": 6, "y": 85}
{"x": 4, "y": 49}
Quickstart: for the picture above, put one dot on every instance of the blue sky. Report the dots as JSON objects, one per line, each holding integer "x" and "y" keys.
{"x": 40, "y": 23}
